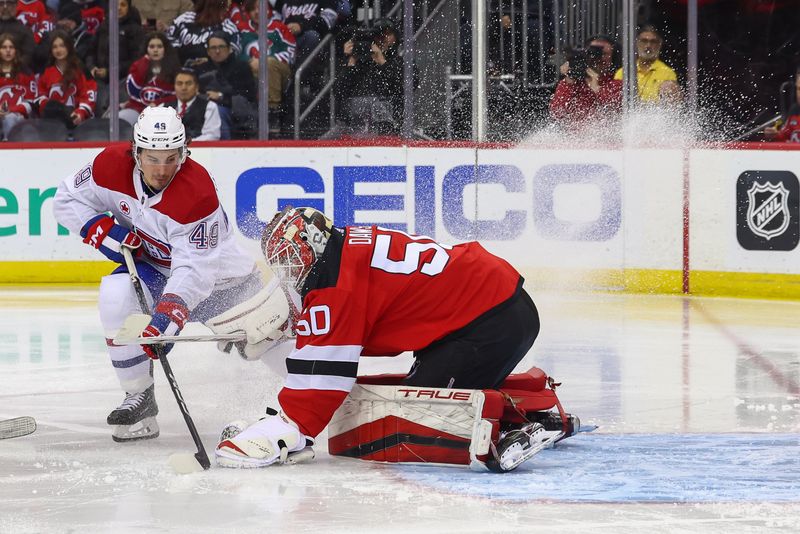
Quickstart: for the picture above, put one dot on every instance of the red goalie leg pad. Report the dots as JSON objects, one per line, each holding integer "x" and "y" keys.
{"x": 392, "y": 439}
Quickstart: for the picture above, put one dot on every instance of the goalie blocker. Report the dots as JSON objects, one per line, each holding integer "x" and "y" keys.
{"x": 384, "y": 421}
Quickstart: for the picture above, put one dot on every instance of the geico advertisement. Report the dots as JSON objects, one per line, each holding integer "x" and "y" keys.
{"x": 531, "y": 206}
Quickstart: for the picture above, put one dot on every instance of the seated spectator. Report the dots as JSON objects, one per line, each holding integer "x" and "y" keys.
{"x": 656, "y": 81}
{"x": 34, "y": 15}
{"x": 369, "y": 90}
{"x": 228, "y": 81}
{"x": 790, "y": 131}
{"x": 151, "y": 78}
{"x": 83, "y": 19}
{"x": 281, "y": 51}
{"x": 157, "y": 15}
{"x": 190, "y": 31}
{"x": 588, "y": 89}
{"x": 23, "y": 36}
{"x": 199, "y": 115}
{"x": 17, "y": 86}
{"x": 65, "y": 91}
{"x": 131, "y": 36}
{"x": 308, "y": 21}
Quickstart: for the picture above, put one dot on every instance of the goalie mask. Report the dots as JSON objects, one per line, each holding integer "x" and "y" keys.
{"x": 293, "y": 241}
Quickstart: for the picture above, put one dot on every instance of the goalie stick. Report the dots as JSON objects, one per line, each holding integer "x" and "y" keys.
{"x": 17, "y": 427}
{"x": 130, "y": 334}
{"x": 179, "y": 462}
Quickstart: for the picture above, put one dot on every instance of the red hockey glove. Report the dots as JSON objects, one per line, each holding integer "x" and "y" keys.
{"x": 169, "y": 317}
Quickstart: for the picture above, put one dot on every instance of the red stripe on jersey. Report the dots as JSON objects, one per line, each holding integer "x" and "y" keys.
{"x": 190, "y": 196}
{"x": 113, "y": 169}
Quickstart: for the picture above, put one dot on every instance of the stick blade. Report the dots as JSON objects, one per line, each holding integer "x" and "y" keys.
{"x": 184, "y": 463}
{"x": 132, "y": 328}
{"x": 17, "y": 427}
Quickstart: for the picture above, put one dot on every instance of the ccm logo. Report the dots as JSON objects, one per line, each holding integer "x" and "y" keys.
{"x": 436, "y": 394}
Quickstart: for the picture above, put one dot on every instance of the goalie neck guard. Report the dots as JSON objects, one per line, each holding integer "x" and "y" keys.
{"x": 293, "y": 241}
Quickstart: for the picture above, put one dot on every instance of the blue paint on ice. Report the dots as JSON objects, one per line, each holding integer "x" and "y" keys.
{"x": 639, "y": 468}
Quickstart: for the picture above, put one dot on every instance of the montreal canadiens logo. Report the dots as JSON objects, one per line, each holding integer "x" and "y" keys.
{"x": 768, "y": 209}
{"x": 124, "y": 207}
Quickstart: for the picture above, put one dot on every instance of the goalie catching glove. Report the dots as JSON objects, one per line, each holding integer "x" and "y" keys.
{"x": 169, "y": 317}
{"x": 105, "y": 235}
{"x": 273, "y": 439}
{"x": 264, "y": 318}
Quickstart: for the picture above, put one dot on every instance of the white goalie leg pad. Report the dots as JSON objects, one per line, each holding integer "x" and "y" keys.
{"x": 406, "y": 424}
{"x": 268, "y": 441}
{"x": 264, "y": 318}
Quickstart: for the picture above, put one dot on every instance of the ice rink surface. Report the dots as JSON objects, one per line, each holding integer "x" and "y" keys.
{"x": 697, "y": 399}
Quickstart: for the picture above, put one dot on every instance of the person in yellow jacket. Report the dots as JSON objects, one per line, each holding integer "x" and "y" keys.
{"x": 656, "y": 81}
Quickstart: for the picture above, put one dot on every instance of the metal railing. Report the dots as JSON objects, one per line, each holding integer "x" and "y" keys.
{"x": 300, "y": 116}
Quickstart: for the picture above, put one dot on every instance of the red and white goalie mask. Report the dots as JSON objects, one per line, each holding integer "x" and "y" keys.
{"x": 293, "y": 241}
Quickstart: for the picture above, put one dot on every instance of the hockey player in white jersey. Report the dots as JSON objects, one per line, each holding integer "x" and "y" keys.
{"x": 154, "y": 199}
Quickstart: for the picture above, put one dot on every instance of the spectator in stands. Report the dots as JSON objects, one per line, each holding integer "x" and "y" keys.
{"x": 17, "y": 86}
{"x": 308, "y": 20}
{"x": 151, "y": 78}
{"x": 199, "y": 115}
{"x": 22, "y": 34}
{"x": 790, "y": 131}
{"x": 190, "y": 31}
{"x": 83, "y": 19}
{"x": 34, "y": 15}
{"x": 588, "y": 89}
{"x": 369, "y": 90}
{"x": 158, "y": 14}
{"x": 281, "y": 52}
{"x": 131, "y": 35}
{"x": 656, "y": 81}
{"x": 65, "y": 91}
{"x": 228, "y": 81}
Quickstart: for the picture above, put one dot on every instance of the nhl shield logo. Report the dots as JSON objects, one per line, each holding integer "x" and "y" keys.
{"x": 768, "y": 209}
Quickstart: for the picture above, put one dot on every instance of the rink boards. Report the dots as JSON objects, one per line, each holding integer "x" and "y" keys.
{"x": 565, "y": 218}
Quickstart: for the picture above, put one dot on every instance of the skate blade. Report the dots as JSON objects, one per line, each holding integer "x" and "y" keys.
{"x": 548, "y": 442}
{"x": 147, "y": 428}
{"x": 184, "y": 463}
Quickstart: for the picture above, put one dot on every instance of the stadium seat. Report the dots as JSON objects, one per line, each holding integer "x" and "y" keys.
{"x": 37, "y": 130}
{"x": 96, "y": 129}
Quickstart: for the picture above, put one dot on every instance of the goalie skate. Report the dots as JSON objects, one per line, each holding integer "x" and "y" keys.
{"x": 135, "y": 418}
{"x": 233, "y": 455}
{"x": 519, "y": 445}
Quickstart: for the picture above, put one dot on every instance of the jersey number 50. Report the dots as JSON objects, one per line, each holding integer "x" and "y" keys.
{"x": 411, "y": 258}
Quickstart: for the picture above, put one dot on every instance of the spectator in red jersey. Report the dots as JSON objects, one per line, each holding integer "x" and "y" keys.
{"x": 22, "y": 34}
{"x": 131, "y": 36}
{"x": 588, "y": 89}
{"x": 34, "y": 15}
{"x": 65, "y": 91}
{"x": 371, "y": 291}
{"x": 190, "y": 31}
{"x": 790, "y": 131}
{"x": 17, "y": 86}
{"x": 151, "y": 79}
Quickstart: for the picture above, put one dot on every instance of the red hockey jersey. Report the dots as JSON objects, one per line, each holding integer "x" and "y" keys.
{"x": 379, "y": 292}
{"x": 144, "y": 92}
{"x": 18, "y": 93}
{"x": 81, "y": 93}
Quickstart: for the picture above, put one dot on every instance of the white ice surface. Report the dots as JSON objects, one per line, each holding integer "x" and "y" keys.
{"x": 698, "y": 402}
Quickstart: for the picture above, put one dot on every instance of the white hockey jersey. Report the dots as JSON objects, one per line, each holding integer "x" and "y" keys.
{"x": 185, "y": 232}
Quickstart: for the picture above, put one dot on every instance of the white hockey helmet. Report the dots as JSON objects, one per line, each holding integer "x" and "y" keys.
{"x": 159, "y": 128}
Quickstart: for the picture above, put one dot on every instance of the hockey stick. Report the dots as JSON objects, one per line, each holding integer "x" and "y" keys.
{"x": 178, "y": 462}
{"x": 17, "y": 427}
{"x": 131, "y": 330}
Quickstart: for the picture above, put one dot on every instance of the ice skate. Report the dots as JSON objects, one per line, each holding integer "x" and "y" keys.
{"x": 518, "y": 445}
{"x": 135, "y": 418}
